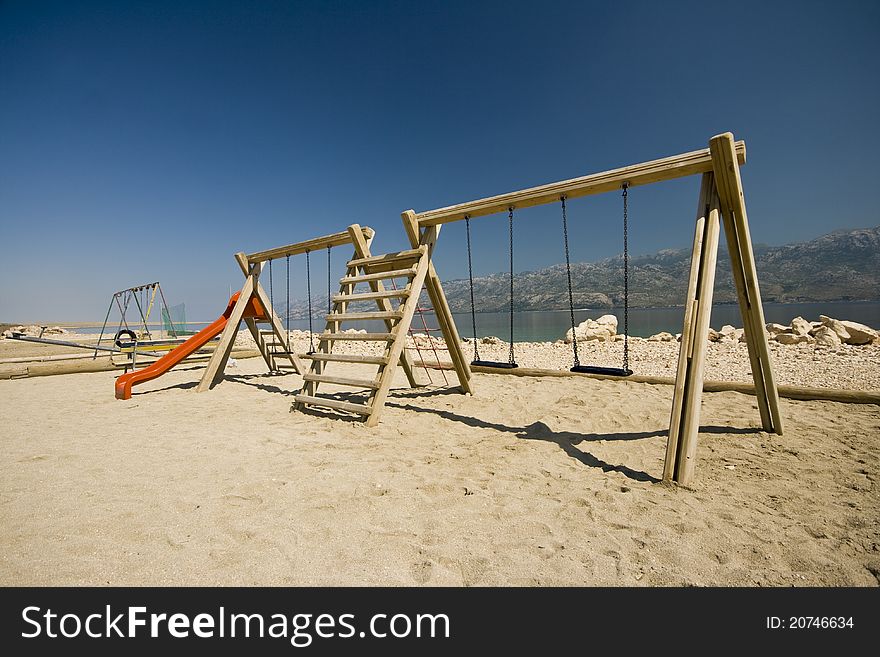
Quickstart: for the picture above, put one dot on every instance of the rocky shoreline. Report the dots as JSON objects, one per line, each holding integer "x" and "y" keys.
{"x": 805, "y": 363}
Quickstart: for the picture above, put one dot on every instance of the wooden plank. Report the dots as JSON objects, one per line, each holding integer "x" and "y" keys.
{"x": 214, "y": 370}
{"x": 693, "y": 383}
{"x": 668, "y": 168}
{"x": 396, "y": 348}
{"x": 336, "y": 239}
{"x": 380, "y": 276}
{"x": 685, "y": 350}
{"x": 441, "y": 307}
{"x": 360, "y": 409}
{"x": 371, "y": 296}
{"x": 388, "y": 258}
{"x": 739, "y": 241}
{"x": 345, "y": 358}
{"x": 361, "y": 337}
{"x": 787, "y": 392}
{"x": 357, "y": 317}
{"x": 341, "y": 381}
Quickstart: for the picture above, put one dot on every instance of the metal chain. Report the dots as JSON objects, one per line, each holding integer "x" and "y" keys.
{"x": 329, "y": 291}
{"x": 309, "y": 293}
{"x": 467, "y": 224}
{"x": 625, "y": 277}
{"x": 287, "y": 309}
{"x": 574, "y": 341}
{"x": 510, "y": 358}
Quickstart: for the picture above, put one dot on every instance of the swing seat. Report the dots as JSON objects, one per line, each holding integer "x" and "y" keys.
{"x": 495, "y": 363}
{"x": 595, "y": 369}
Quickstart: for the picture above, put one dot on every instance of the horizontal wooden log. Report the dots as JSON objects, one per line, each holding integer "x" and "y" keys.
{"x": 336, "y": 239}
{"x": 81, "y": 365}
{"x": 668, "y": 168}
{"x": 789, "y": 392}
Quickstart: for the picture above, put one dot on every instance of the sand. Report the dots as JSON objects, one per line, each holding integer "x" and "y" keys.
{"x": 544, "y": 482}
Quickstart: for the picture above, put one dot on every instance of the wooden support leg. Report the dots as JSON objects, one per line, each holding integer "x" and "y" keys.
{"x": 214, "y": 372}
{"x": 742, "y": 259}
{"x": 684, "y": 422}
{"x": 441, "y": 306}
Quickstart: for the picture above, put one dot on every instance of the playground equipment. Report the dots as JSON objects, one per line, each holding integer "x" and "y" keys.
{"x": 380, "y": 268}
{"x": 144, "y": 298}
{"x": 125, "y": 382}
{"x": 721, "y": 200}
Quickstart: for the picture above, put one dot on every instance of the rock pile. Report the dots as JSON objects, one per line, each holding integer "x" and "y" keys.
{"x": 604, "y": 328}
{"x": 827, "y": 332}
{"x": 33, "y": 331}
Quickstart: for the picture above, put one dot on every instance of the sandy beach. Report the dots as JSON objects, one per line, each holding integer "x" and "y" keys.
{"x": 531, "y": 481}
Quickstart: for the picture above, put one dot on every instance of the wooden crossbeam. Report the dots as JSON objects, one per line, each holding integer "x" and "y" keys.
{"x": 668, "y": 168}
{"x": 336, "y": 239}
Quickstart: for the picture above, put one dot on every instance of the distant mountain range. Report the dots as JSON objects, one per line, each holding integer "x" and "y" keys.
{"x": 840, "y": 266}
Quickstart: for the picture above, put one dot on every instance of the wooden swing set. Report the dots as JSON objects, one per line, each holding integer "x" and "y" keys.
{"x": 721, "y": 202}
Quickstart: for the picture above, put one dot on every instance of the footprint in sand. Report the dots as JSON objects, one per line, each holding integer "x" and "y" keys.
{"x": 242, "y": 500}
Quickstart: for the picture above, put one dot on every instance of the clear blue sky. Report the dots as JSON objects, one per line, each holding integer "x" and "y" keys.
{"x": 146, "y": 141}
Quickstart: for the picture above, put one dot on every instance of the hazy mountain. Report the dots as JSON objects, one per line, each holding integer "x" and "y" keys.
{"x": 840, "y": 266}
{"x": 843, "y": 265}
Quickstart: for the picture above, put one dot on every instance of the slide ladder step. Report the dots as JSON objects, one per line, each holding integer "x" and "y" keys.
{"x": 410, "y": 255}
{"x": 346, "y": 358}
{"x": 360, "y": 409}
{"x": 385, "y": 275}
{"x": 369, "y": 296}
{"x": 354, "y": 317}
{"x": 341, "y": 381}
{"x": 368, "y": 337}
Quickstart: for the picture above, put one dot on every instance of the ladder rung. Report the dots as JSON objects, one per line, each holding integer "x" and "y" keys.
{"x": 354, "y": 383}
{"x": 368, "y": 337}
{"x": 267, "y": 332}
{"x": 282, "y": 365}
{"x": 360, "y": 409}
{"x": 346, "y": 358}
{"x": 365, "y": 278}
{"x": 410, "y": 254}
{"x": 368, "y": 296}
{"x": 352, "y": 317}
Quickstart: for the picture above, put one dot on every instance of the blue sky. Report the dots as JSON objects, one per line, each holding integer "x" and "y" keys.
{"x": 145, "y": 141}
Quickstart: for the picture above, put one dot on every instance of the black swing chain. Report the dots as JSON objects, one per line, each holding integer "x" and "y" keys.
{"x": 328, "y": 281}
{"x": 467, "y": 224}
{"x": 309, "y": 294}
{"x": 574, "y": 343}
{"x": 510, "y": 358}
{"x": 625, "y": 278}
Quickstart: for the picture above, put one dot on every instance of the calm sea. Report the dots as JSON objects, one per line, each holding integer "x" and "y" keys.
{"x": 546, "y": 326}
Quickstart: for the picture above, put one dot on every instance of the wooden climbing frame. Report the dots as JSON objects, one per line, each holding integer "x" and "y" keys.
{"x": 721, "y": 201}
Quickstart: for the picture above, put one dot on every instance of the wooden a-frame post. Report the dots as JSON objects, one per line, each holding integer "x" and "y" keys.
{"x": 721, "y": 198}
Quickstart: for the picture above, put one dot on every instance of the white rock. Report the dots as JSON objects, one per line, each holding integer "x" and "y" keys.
{"x": 663, "y": 336}
{"x": 800, "y": 326}
{"x": 836, "y": 326}
{"x": 604, "y": 328}
{"x": 793, "y": 338}
{"x": 491, "y": 339}
{"x": 775, "y": 329}
{"x": 826, "y": 337}
{"x": 859, "y": 333}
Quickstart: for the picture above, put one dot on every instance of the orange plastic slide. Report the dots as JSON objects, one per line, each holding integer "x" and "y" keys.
{"x": 196, "y": 342}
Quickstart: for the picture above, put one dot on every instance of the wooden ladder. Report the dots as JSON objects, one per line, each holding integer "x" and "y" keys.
{"x": 371, "y": 270}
